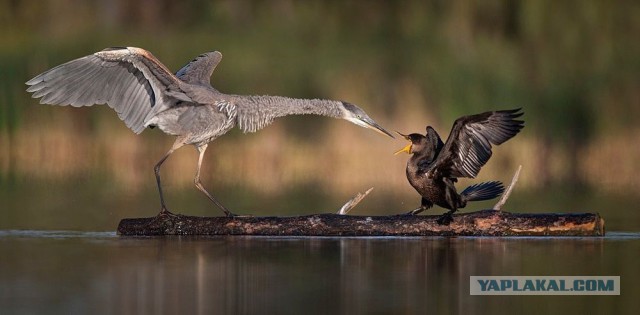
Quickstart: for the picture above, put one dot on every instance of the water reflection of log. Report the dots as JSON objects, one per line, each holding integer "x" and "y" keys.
{"x": 480, "y": 223}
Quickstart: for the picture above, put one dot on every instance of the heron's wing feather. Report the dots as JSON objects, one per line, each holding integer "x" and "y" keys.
{"x": 130, "y": 80}
{"x": 200, "y": 69}
{"x": 468, "y": 147}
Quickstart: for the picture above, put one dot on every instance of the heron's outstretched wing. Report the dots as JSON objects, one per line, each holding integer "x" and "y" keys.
{"x": 468, "y": 147}
{"x": 130, "y": 80}
{"x": 200, "y": 69}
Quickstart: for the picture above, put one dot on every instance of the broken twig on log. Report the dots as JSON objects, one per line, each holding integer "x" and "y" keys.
{"x": 354, "y": 202}
{"x": 480, "y": 223}
{"x": 506, "y": 194}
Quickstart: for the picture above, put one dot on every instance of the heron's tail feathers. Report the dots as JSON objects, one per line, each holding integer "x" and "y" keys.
{"x": 483, "y": 191}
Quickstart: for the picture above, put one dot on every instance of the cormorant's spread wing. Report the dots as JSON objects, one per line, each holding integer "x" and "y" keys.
{"x": 468, "y": 147}
{"x": 200, "y": 69}
{"x": 130, "y": 80}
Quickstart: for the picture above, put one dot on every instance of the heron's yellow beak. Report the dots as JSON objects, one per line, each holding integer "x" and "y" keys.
{"x": 406, "y": 149}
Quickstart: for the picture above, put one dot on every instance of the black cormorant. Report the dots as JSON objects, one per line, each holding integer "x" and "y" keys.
{"x": 435, "y": 166}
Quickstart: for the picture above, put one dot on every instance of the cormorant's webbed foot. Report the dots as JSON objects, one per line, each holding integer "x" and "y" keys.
{"x": 414, "y": 211}
{"x": 445, "y": 219}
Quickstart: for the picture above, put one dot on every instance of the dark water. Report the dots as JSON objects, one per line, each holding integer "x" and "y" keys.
{"x": 60, "y": 272}
{"x": 43, "y": 270}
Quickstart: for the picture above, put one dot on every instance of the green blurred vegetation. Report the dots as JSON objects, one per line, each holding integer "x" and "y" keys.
{"x": 574, "y": 66}
{"x": 565, "y": 61}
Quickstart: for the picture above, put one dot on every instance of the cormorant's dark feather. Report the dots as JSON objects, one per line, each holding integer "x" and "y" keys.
{"x": 468, "y": 147}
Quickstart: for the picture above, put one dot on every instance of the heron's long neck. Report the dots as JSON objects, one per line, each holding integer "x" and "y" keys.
{"x": 255, "y": 112}
{"x": 279, "y": 106}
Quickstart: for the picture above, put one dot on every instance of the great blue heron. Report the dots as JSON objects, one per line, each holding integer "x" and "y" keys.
{"x": 145, "y": 93}
{"x": 434, "y": 167}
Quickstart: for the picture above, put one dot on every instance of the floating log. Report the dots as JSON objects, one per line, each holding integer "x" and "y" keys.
{"x": 480, "y": 223}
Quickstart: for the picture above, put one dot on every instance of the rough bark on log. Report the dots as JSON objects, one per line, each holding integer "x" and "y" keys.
{"x": 480, "y": 223}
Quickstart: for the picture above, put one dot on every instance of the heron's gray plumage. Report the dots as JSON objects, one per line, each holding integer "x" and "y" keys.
{"x": 256, "y": 112}
{"x": 144, "y": 93}
{"x": 131, "y": 81}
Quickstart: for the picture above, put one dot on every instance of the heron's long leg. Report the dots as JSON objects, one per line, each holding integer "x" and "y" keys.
{"x": 196, "y": 180}
{"x": 176, "y": 145}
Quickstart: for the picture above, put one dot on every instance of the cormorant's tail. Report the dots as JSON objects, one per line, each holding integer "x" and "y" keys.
{"x": 482, "y": 191}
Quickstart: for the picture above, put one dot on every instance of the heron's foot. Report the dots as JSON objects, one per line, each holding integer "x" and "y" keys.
{"x": 445, "y": 219}
{"x": 230, "y": 214}
{"x": 224, "y": 209}
{"x": 166, "y": 212}
{"x": 163, "y": 217}
{"x": 240, "y": 216}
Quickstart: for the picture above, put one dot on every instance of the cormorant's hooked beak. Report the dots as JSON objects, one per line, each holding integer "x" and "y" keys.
{"x": 407, "y": 148}
{"x": 403, "y": 135}
{"x": 368, "y": 123}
